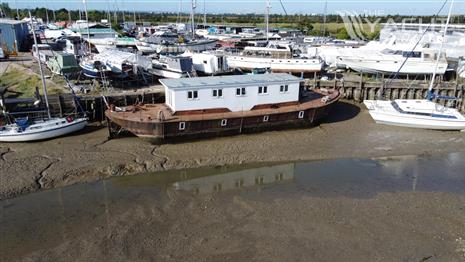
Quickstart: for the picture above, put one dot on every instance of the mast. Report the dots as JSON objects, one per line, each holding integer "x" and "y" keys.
{"x": 109, "y": 14}
{"x": 194, "y": 6}
{"x": 46, "y": 12}
{"x": 17, "y": 10}
{"x": 135, "y": 18}
{"x": 44, "y": 86}
{"x": 267, "y": 19}
{"x": 178, "y": 19}
{"x": 324, "y": 18}
{"x": 204, "y": 15}
{"x": 87, "y": 22}
{"x": 431, "y": 86}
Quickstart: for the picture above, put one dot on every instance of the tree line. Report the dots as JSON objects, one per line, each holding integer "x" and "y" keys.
{"x": 307, "y": 23}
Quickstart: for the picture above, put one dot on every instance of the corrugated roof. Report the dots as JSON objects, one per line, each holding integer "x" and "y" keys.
{"x": 199, "y": 82}
{"x": 11, "y": 21}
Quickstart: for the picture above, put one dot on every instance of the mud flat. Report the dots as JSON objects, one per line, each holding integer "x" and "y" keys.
{"x": 385, "y": 209}
{"x": 89, "y": 156}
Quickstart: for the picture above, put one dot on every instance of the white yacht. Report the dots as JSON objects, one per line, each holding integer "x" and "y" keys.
{"x": 25, "y": 130}
{"x": 415, "y": 113}
{"x": 418, "y": 113}
{"x": 420, "y": 61}
{"x": 277, "y": 56}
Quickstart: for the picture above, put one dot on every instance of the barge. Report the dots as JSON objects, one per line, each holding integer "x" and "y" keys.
{"x": 224, "y": 105}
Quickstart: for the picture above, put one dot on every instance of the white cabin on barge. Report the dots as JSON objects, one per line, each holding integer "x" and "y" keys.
{"x": 235, "y": 93}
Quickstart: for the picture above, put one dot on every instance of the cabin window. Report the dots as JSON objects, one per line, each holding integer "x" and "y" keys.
{"x": 411, "y": 54}
{"x": 182, "y": 125}
{"x": 205, "y": 62}
{"x": 284, "y": 89}
{"x": 279, "y": 177}
{"x": 263, "y": 90}
{"x": 240, "y": 91}
{"x": 192, "y": 95}
{"x": 218, "y": 187}
{"x": 217, "y": 93}
{"x": 301, "y": 114}
{"x": 224, "y": 122}
{"x": 266, "y": 118}
{"x": 239, "y": 183}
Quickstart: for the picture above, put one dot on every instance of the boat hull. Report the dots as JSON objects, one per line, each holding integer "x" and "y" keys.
{"x": 276, "y": 65}
{"x": 48, "y": 133}
{"x": 91, "y": 72}
{"x": 212, "y": 126}
{"x": 166, "y": 73}
{"x": 390, "y": 67}
{"x": 412, "y": 121}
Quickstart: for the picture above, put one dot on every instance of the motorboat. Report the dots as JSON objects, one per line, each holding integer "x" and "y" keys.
{"x": 278, "y": 56}
{"x": 420, "y": 61}
{"x": 168, "y": 66}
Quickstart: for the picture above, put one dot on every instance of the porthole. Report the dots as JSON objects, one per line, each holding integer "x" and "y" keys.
{"x": 301, "y": 114}
{"x": 224, "y": 122}
{"x": 182, "y": 126}
{"x": 266, "y": 118}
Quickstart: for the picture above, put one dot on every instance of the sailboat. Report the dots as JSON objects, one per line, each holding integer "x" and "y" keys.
{"x": 422, "y": 113}
{"x": 26, "y": 129}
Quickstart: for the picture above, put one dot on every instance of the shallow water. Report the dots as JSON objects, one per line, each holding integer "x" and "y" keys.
{"x": 45, "y": 219}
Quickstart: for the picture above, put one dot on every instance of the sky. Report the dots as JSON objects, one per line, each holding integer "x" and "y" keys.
{"x": 371, "y": 7}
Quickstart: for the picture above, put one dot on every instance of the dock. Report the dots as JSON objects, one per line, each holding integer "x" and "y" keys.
{"x": 351, "y": 90}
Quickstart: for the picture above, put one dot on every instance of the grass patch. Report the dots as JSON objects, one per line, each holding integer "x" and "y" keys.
{"x": 24, "y": 83}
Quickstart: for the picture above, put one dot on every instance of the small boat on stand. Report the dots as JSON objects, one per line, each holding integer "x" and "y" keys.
{"x": 168, "y": 66}
{"x": 93, "y": 68}
{"x": 224, "y": 105}
{"x": 26, "y": 128}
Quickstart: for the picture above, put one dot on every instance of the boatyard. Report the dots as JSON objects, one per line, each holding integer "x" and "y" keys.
{"x": 200, "y": 135}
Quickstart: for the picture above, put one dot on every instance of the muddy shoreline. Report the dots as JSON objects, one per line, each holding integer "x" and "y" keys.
{"x": 89, "y": 156}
